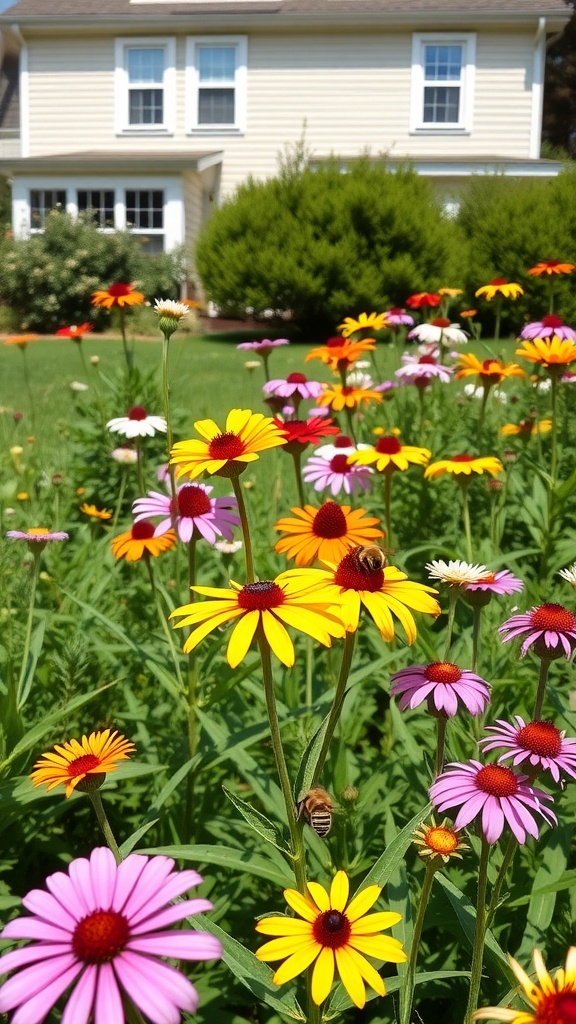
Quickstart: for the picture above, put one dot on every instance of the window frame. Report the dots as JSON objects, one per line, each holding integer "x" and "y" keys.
{"x": 100, "y": 210}
{"x": 122, "y": 84}
{"x": 193, "y": 85}
{"x": 139, "y": 231}
{"x": 45, "y": 210}
{"x": 464, "y": 125}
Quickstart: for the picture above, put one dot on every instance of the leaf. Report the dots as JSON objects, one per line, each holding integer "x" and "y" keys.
{"x": 259, "y": 822}
{"x": 307, "y": 767}
{"x": 33, "y": 654}
{"x": 466, "y": 914}
{"x": 398, "y": 894}
{"x": 341, "y": 1000}
{"x": 542, "y": 904}
{"x": 386, "y": 865}
{"x": 172, "y": 784}
{"x": 568, "y": 881}
{"x": 229, "y": 857}
{"x": 128, "y": 845}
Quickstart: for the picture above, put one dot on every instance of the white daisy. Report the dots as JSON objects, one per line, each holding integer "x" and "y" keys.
{"x": 440, "y": 332}
{"x": 456, "y": 573}
{"x": 137, "y": 423}
{"x": 569, "y": 574}
{"x": 171, "y": 309}
{"x": 228, "y": 547}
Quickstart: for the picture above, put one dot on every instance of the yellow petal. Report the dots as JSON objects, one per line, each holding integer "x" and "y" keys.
{"x": 369, "y": 924}
{"x": 379, "y": 946}
{"x": 297, "y": 963}
{"x": 242, "y": 636}
{"x": 283, "y": 926}
{"x": 362, "y": 902}
{"x": 319, "y": 895}
{"x": 278, "y": 638}
{"x": 351, "y": 977}
{"x": 305, "y": 907}
{"x": 323, "y": 975}
{"x": 339, "y": 891}
{"x": 207, "y": 428}
{"x": 286, "y": 945}
{"x": 198, "y": 634}
{"x": 368, "y": 972}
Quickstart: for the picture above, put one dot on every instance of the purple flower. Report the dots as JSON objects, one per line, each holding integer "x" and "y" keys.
{"x": 550, "y": 628}
{"x": 386, "y": 385}
{"x": 103, "y": 927}
{"x": 502, "y": 582}
{"x": 501, "y": 795}
{"x": 294, "y": 384}
{"x": 263, "y": 347}
{"x": 444, "y": 684}
{"x": 337, "y": 474}
{"x": 423, "y": 369}
{"x": 398, "y": 318}
{"x": 194, "y": 511}
{"x": 546, "y": 327}
{"x": 541, "y": 744}
{"x": 37, "y": 535}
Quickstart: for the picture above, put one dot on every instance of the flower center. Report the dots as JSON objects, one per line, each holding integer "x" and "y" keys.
{"x": 226, "y": 446}
{"x": 441, "y": 321}
{"x": 553, "y": 616}
{"x": 137, "y": 412}
{"x": 142, "y": 530}
{"x": 83, "y": 764}
{"x": 499, "y": 280}
{"x": 342, "y": 441}
{"x": 388, "y": 446}
{"x": 541, "y": 738}
{"x": 192, "y": 501}
{"x": 332, "y": 929}
{"x": 335, "y": 342}
{"x": 354, "y": 574}
{"x": 428, "y": 360}
{"x": 339, "y": 464}
{"x": 442, "y": 672}
{"x": 330, "y": 521}
{"x": 396, "y": 311}
{"x": 497, "y": 780}
{"x": 441, "y": 840}
{"x": 347, "y": 390}
{"x": 38, "y": 531}
{"x": 296, "y": 378}
{"x": 551, "y": 320}
{"x": 100, "y": 937}
{"x": 556, "y": 1008}
{"x": 462, "y": 458}
{"x": 260, "y": 596}
{"x": 119, "y": 289}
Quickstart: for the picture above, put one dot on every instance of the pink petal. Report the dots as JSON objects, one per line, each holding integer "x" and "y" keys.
{"x": 205, "y": 530}
{"x": 176, "y": 912}
{"x": 103, "y": 871}
{"x": 127, "y": 877}
{"x": 79, "y": 871}
{"x": 49, "y": 909}
{"x": 158, "y": 990}
{"x": 63, "y": 889}
{"x": 470, "y": 809}
{"x": 492, "y": 819}
{"x": 35, "y": 1003}
{"x": 31, "y": 954}
{"x": 108, "y": 1007}
{"x": 152, "y": 879}
{"x": 185, "y": 529}
{"x": 32, "y": 928}
{"x": 164, "y": 892}
{"x": 517, "y": 825}
{"x": 79, "y": 1005}
{"x": 184, "y": 945}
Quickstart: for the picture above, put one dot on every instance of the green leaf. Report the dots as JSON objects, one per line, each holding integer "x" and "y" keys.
{"x": 307, "y": 767}
{"x": 568, "y": 881}
{"x": 229, "y": 857}
{"x": 542, "y": 904}
{"x": 129, "y": 843}
{"x": 466, "y": 914}
{"x": 259, "y": 822}
{"x": 36, "y": 642}
{"x": 387, "y": 863}
{"x": 341, "y": 1001}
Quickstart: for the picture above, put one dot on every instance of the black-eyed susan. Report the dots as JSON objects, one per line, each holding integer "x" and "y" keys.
{"x": 343, "y": 396}
{"x": 389, "y": 454}
{"x": 140, "y": 542}
{"x": 304, "y": 603}
{"x": 440, "y": 841}
{"x": 226, "y": 452}
{"x": 339, "y": 354}
{"x": 365, "y": 322}
{"x": 325, "y": 533}
{"x": 488, "y": 371}
{"x": 117, "y": 295}
{"x": 94, "y": 512}
{"x": 526, "y": 428}
{"x": 552, "y": 1000}
{"x": 465, "y": 465}
{"x": 334, "y": 935}
{"x": 69, "y": 763}
{"x": 500, "y": 287}
{"x": 384, "y": 591}
{"x": 554, "y": 353}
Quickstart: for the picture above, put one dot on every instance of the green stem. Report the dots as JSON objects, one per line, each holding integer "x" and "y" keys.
{"x": 264, "y": 359}
{"x": 479, "y": 934}
{"x": 168, "y": 633}
{"x": 485, "y": 393}
{"x": 21, "y": 693}
{"x": 31, "y": 402}
{"x": 498, "y": 316}
{"x": 453, "y": 595}
{"x": 314, "y": 1014}
{"x": 550, "y": 294}
{"x": 140, "y": 467}
{"x": 127, "y": 353}
{"x": 98, "y": 806}
{"x": 388, "y": 505}
{"x": 296, "y": 458}
{"x": 554, "y": 435}
{"x": 441, "y": 723}
{"x": 294, "y": 826}
{"x": 500, "y": 878}
{"x": 407, "y": 994}
{"x": 477, "y": 613}
{"x": 542, "y": 680}
{"x": 350, "y": 423}
{"x": 166, "y": 408}
{"x": 336, "y": 708}
{"x": 466, "y": 519}
{"x": 245, "y": 529}
{"x": 193, "y": 729}
{"x": 118, "y": 508}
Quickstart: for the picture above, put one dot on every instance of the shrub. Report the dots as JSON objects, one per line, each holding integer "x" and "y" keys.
{"x": 320, "y": 242}
{"x": 48, "y": 279}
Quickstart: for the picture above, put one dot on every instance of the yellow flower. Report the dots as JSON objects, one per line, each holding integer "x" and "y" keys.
{"x": 490, "y": 371}
{"x": 366, "y": 321}
{"x": 226, "y": 452}
{"x": 69, "y": 764}
{"x": 117, "y": 295}
{"x": 140, "y": 541}
{"x": 337, "y": 352}
{"x": 548, "y": 352}
{"x": 466, "y": 465}
{"x": 440, "y": 841}
{"x": 95, "y": 513}
{"x": 333, "y": 934}
{"x": 340, "y": 397}
{"x": 527, "y": 428}
{"x": 553, "y": 999}
{"x": 326, "y": 533}
{"x": 303, "y": 603}
{"x": 500, "y": 286}
{"x": 450, "y": 293}
{"x": 389, "y": 454}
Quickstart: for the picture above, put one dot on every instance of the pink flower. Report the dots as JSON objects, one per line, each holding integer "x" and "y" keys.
{"x": 422, "y": 370}
{"x": 37, "y": 535}
{"x": 294, "y": 384}
{"x": 502, "y": 582}
{"x": 194, "y": 511}
{"x": 546, "y": 327}
{"x": 550, "y": 628}
{"x": 263, "y": 347}
{"x": 444, "y": 684}
{"x": 103, "y": 926}
{"x": 541, "y": 744}
{"x": 329, "y": 467}
{"x": 501, "y": 795}
{"x": 398, "y": 317}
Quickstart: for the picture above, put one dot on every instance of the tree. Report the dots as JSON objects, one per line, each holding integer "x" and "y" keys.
{"x": 559, "y": 117}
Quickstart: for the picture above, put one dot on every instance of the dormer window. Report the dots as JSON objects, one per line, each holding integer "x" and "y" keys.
{"x": 145, "y": 76}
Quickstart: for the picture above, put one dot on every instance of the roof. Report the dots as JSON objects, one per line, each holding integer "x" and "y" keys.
{"x": 112, "y": 161}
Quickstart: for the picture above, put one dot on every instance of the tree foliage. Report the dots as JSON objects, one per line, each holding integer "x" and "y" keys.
{"x": 559, "y": 119}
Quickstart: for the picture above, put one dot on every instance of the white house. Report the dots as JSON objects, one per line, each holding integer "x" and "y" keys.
{"x": 147, "y": 112}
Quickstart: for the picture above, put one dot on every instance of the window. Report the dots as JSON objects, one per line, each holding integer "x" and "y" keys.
{"x": 145, "y": 217}
{"x": 99, "y": 203}
{"x": 145, "y": 77}
{"x": 216, "y": 83}
{"x": 442, "y": 83}
{"x": 42, "y": 201}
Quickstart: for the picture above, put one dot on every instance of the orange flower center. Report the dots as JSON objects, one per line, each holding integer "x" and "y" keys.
{"x": 137, "y": 412}
{"x": 553, "y": 616}
{"x": 100, "y": 937}
{"x": 499, "y": 280}
{"x": 388, "y": 446}
{"x": 342, "y": 441}
{"x": 119, "y": 289}
{"x": 332, "y": 929}
{"x": 441, "y": 321}
{"x": 462, "y": 458}
{"x": 226, "y": 446}
{"x": 260, "y": 596}
{"x": 352, "y": 574}
{"x": 339, "y": 464}
{"x": 296, "y": 378}
{"x": 541, "y": 738}
{"x": 83, "y": 764}
{"x": 442, "y": 672}
{"x": 142, "y": 530}
{"x": 330, "y": 521}
{"x": 551, "y": 320}
{"x": 192, "y": 501}
{"x": 497, "y": 780}
{"x": 441, "y": 840}
{"x": 556, "y": 1008}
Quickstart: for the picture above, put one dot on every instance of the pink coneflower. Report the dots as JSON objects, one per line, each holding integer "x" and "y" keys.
{"x": 547, "y": 327}
{"x": 103, "y": 927}
{"x": 263, "y": 347}
{"x": 540, "y": 744}
{"x": 421, "y": 370}
{"x": 445, "y": 685}
{"x": 385, "y": 386}
{"x": 503, "y": 582}
{"x": 497, "y": 792}
{"x": 329, "y": 467}
{"x": 295, "y": 384}
{"x": 137, "y": 423}
{"x": 398, "y": 317}
{"x": 194, "y": 512}
{"x": 550, "y": 628}
{"x": 37, "y": 535}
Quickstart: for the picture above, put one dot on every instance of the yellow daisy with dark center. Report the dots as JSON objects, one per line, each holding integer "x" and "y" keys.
{"x": 140, "y": 542}
{"x": 339, "y": 397}
{"x": 465, "y": 465}
{"x": 325, "y": 533}
{"x": 70, "y": 763}
{"x": 389, "y": 454}
{"x": 334, "y": 935}
{"x": 553, "y": 353}
{"x": 226, "y": 452}
{"x": 552, "y": 1000}
{"x": 489, "y": 371}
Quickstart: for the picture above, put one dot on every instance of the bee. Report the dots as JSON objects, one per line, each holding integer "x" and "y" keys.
{"x": 316, "y": 808}
{"x": 372, "y": 557}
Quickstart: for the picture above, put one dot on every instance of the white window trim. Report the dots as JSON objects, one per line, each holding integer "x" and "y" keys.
{"x": 121, "y": 105}
{"x": 193, "y": 85}
{"x": 468, "y": 42}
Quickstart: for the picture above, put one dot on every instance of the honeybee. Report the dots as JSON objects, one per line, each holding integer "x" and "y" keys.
{"x": 316, "y": 808}
{"x": 371, "y": 557}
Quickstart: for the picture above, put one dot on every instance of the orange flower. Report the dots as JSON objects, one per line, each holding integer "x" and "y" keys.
{"x": 467, "y": 314}
{"x": 76, "y": 332}
{"x": 95, "y": 513}
{"x": 327, "y": 533}
{"x": 140, "y": 541}
{"x": 549, "y": 352}
{"x": 490, "y": 371}
{"x": 338, "y": 352}
{"x": 551, "y": 267}
{"x": 69, "y": 764}
{"x": 21, "y": 339}
{"x": 341, "y": 396}
{"x": 117, "y": 295}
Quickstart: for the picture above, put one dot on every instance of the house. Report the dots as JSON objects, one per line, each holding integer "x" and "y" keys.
{"x": 147, "y": 112}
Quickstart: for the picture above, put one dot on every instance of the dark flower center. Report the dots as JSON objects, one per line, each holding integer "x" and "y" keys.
{"x": 553, "y": 616}
{"x": 119, "y": 289}
{"x": 342, "y": 441}
{"x": 428, "y": 360}
{"x": 442, "y": 672}
{"x": 83, "y": 764}
{"x": 330, "y": 521}
{"x": 499, "y": 280}
{"x": 137, "y": 412}
{"x": 332, "y": 929}
{"x": 100, "y": 937}
{"x": 541, "y": 738}
{"x": 339, "y": 464}
{"x": 192, "y": 501}
{"x": 335, "y": 342}
{"x": 497, "y": 780}
{"x": 441, "y": 321}
{"x": 296, "y": 378}
{"x": 462, "y": 458}
{"x": 551, "y": 320}
{"x": 556, "y": 1008}
{"x": 388, "y": 446}
{"x": 354, "y": 574}
{"x": 347, "y": 390}
{"x": 260, "y": 596}
{"x": 226, "y": 446}
{"x": 142, "y": 530}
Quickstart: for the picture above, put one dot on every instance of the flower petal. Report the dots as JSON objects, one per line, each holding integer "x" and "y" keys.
{"x": 323, "y": 975}
{"x": 339, "y": 891}
{"x": 362, "y": 902}
{"x": 351, "y": 977}
{"x": 297, "y": 963}
{"x": 319, "y": 895}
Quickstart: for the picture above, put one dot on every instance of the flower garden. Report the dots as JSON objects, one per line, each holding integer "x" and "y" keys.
{"x": 287, "y": 726}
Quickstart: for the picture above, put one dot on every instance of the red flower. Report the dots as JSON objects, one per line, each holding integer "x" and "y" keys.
{"x": 303, "y": 432}
{"x": 421, "y": 299}
{"x": 74, "y": 332}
